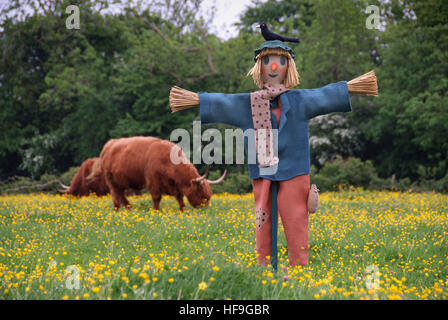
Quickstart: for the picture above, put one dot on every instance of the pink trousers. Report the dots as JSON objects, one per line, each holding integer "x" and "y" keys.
{"x": 292, "y": 208}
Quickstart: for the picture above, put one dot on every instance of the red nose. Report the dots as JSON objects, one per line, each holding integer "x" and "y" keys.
{"x": 274, "y": 66}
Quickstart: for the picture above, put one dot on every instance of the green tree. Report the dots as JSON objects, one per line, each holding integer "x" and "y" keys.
{"x": 411, "y": 123}
{"x": 55, "y": 86}
{"x": 65, "y": 92}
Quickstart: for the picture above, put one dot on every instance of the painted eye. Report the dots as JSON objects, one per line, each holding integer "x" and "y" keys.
{"x": 282, "y": 60}
{"x": 266, "y": 59}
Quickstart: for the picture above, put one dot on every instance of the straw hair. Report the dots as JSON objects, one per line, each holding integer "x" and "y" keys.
{"x": 365, "y": 84}
{"x": 181, "y": 99}
{"x": 292, "y": 75}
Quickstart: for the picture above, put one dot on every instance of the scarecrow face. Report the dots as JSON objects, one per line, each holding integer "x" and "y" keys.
{"x": 273, "y": 69}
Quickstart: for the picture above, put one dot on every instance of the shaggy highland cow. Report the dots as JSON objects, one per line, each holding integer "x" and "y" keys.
{"x": 145, "y": 163}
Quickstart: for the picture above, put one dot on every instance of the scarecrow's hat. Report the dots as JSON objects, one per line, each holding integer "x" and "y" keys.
{"x": 272, "y": 44}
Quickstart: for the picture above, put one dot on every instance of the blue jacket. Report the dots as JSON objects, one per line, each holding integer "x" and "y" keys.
{"x": 298, "y": 106}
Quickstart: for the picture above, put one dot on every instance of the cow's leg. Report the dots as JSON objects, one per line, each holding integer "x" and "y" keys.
{"x": 125, "y": 202}
{"x": 156, "y": 197}
{"x": 154, "y": 190}
{"x": 115, "y": 199}
{"x": 115, "y": 192}
{"x": 119, "y": 199}
{"x": 180, "y": 200}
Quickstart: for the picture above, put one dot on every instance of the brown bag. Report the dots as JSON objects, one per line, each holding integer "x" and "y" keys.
{"x": 313, "y": 199}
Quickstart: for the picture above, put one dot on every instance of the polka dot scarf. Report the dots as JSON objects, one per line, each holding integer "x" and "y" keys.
{"x": 261, "y": 116}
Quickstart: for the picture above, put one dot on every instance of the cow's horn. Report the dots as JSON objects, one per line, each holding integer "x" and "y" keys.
{"x": 204, "y": 175}
{"x": 63, "y": 185}
{"x": 219, "y": 179}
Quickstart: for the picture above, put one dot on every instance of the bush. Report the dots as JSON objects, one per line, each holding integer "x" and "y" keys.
{"x": 404, "y": 184}
{"x": 430, "y": 185}
{"x": 233, "y": 183}
{"x": 351, "y": 171}
{"x": 442, "y": 184}
{"x": 66, "y": 177}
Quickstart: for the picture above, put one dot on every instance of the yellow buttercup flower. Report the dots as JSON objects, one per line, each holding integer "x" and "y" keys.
{"x": 402, "y": 234}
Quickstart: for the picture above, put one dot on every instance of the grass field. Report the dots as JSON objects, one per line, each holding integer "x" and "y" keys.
{"x": 363, "y": 245}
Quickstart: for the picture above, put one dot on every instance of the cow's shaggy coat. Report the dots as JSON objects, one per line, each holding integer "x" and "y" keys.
{"x": 81, "y": 186}
{"x": 144, "y": 163}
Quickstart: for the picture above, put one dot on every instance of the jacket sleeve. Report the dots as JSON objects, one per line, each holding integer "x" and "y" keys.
{"x": 333, "y": 97}
{"x": 231, "y": 109}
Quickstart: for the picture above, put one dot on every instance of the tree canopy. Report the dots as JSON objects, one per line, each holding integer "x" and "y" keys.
{"x": 65, "y": 92}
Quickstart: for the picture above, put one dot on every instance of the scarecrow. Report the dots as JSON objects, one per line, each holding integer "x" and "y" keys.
{"x": 278, "y": 115}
